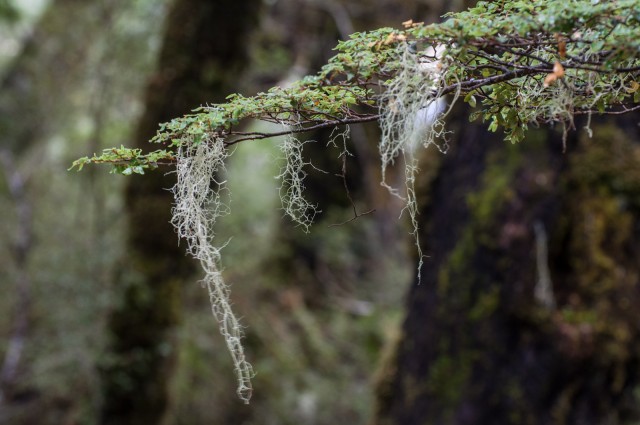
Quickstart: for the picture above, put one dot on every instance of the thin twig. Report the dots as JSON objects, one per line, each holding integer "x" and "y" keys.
{"x": 326, "y": 124}
{"x": 343, "y": 175}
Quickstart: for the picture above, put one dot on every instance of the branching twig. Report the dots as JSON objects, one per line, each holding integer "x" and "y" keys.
{"x": 343, "y": 175}
{"x": 294, "y": 130}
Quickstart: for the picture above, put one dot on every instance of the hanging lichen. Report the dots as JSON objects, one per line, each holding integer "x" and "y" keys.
{"x": 517, "y": 63}
{"x": 199, "y": 202}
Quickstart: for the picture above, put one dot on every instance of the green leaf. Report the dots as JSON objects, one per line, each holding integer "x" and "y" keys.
{"x": 470, "y": 99}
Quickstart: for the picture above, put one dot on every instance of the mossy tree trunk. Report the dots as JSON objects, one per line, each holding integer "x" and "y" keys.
{"x": 527, "y": 309}
{"x": 204, "y": 51}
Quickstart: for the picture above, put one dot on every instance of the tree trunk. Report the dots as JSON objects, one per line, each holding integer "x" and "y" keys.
{"x": 525, "y": 313}
{"x": 203, "y": 52}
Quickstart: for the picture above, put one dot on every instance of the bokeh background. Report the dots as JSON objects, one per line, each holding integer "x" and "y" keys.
{"x": 525, "y": 313}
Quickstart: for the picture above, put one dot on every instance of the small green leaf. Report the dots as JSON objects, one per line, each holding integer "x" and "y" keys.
{"x": 470, "y": 99}
{"x": 474, "y": 116}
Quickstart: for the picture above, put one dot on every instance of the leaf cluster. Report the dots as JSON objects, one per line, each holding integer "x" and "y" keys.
{"x": 499, "y": 56}
{"x": 126, "y": 161}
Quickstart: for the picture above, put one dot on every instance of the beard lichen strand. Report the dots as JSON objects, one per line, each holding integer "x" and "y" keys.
{"x": 292, "y": 176}
{"x": 198, "y": 203}
{"x": 410, "y": 106}
{"x": 412, "y": 114}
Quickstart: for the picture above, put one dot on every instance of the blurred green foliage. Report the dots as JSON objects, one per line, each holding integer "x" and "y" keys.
{"x": 8, "y": 11}
{"x": 303, "y": 352}
{"x": 320, "y": 356}
{"x": 77, "y": 223}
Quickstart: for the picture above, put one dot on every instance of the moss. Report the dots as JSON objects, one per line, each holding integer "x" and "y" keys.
{"x": 594, "y": 262}
{"x": 457, "y": 276}
{"x": 600, "y": 229}
{"x": 469, "y": 298}
{"x": 579, "y": 316}
{"x": 563, "y": 406}
{"x": 591, "y": 213}
{"x": 497, "y": 180}
{"x": 486, "y": 304}
{"x": 384, "y": 377}
{"x": 448, "y": 378}
{"x": 515, "y": 393}
{"x": 608, "y": 164}
{"x": 449, "y": 276}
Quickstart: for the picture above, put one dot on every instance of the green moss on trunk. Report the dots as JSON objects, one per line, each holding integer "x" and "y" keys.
{"x": 481, "y": 345}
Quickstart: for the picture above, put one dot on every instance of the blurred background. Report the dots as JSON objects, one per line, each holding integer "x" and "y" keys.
{"x": 526, "y": 309}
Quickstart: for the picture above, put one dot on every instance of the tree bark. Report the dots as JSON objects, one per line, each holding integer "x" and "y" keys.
{"x": 525, "y": 313}
{"x": 203, "y": 53}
